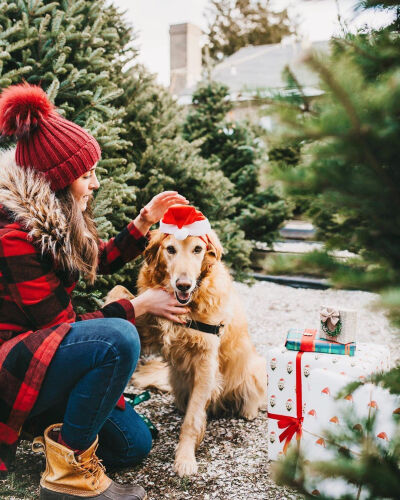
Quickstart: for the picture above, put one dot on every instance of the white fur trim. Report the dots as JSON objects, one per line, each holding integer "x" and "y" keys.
{"x": 33, "y": 204}
{"x": 198, "y": 228}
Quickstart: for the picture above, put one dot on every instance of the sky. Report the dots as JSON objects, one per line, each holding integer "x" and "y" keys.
{"x": 317, "y": 20}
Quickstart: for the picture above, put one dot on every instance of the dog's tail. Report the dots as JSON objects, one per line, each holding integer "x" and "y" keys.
{"x": 152, "y": 373}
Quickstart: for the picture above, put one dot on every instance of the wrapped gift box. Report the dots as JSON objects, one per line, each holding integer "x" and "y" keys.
{"x": 308, "y": 341}
{"x": 289, "y": 377}
{"x": 324, "y": 412}
{"x": 338, "y": 325}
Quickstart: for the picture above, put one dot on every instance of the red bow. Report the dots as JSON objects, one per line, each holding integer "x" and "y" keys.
{"x": 292, "y": 425}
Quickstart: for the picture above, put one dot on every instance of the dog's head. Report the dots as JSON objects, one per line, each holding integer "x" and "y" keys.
{"x": 180, "y": 265}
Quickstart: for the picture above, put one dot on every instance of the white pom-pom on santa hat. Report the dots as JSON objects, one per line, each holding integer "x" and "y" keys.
{"x": 183, "y": 221}
{"x": 181, "y": 234}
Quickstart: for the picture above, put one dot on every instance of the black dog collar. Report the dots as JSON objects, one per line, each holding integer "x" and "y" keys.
{"x": 204, "y": 327}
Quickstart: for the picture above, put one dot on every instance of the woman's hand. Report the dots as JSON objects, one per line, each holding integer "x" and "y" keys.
{"x": 160, "y": 303}
{"x": 156, "y": 208}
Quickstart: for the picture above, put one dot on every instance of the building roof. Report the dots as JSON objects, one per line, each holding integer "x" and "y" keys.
{"x": 255, "y": 69}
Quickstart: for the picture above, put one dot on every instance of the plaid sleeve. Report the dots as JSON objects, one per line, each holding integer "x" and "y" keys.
{"x": 122, "y": 308}
{"x": 31, "y": 284}
{"x": 123, "y": 248}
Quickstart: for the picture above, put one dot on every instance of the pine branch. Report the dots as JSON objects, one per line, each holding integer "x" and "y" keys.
{"x": 359, "y": 132}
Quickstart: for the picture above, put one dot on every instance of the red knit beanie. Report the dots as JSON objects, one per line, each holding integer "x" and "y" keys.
{"x": 60, "y": 149}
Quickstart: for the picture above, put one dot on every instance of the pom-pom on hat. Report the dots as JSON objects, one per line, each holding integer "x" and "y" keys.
{"x": 60, "y": 149}
{"x": 183, "y": 221}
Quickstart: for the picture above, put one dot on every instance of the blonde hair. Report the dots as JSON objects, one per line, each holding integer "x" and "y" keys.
{"x": 84, "y": 238}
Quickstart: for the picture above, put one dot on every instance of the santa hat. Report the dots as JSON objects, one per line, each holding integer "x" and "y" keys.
{"x": 46, "y": 142}
{"x": 183, "y": 221}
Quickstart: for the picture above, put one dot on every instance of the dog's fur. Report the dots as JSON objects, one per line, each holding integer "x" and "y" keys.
{"x": 206, "y": 372}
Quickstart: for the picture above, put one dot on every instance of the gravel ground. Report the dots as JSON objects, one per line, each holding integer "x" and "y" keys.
{"x": 233, "y": 456}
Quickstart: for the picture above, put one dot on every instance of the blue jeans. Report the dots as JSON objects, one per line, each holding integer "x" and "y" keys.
{"x": 83, "y": 383}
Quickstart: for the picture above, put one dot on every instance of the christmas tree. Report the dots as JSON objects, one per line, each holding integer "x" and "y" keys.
{"x": 233, "y": 24}
{"x": 348, "y": 164}
{"x": 235, "y": 149}
{"x": 165, "y": 160}
{"x": 75, "y": 50}
{"x": 349, "y": 171}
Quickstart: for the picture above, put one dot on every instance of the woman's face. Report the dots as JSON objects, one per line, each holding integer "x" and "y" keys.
{"x": 83, "y": 187}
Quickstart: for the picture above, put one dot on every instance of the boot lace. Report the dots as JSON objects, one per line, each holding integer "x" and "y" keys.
{"x": 91, "y": 467}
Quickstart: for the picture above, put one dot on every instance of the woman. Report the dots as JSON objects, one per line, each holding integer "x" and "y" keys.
{"x": 53, "y": 363}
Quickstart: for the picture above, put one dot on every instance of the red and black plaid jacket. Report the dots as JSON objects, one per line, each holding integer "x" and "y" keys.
{"x": 35, "y": 315}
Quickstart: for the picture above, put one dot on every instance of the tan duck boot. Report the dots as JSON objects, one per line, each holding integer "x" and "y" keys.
{"x": 69, "y": 477}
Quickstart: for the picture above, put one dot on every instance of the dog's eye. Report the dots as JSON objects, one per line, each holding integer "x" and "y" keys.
{"x": 197, "y": 249}
{"x": 171, "y": 249}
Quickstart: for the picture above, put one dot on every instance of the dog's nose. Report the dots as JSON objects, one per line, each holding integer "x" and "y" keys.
{"x": 183, "y": 286}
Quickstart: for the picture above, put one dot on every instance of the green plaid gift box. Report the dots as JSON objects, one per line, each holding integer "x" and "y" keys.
{"x": 307, "y": 341}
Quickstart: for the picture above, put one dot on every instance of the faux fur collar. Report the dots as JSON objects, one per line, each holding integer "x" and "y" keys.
{"x": 27, "y": 195}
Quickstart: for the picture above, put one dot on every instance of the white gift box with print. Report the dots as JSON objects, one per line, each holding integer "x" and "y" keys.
{"x": 326, "y": 413}
{"x": 285, "y": 409}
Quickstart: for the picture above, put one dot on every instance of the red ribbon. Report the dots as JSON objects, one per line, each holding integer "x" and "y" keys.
{"x": 307, "y": 340}
{"x": 292, "y": 425}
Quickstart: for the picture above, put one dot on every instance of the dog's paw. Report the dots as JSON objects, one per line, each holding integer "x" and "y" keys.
{"x": 250, "y": 414}
{"x": 264, "y": 407}
{"x": 185, "y": 466}
{"x": 118, "y": 292}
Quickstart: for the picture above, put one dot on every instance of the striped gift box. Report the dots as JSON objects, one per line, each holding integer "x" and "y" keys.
{"x": 307, "y": 341}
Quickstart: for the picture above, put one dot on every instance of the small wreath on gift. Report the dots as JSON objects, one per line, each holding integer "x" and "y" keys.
{"x": 331, "y": 333}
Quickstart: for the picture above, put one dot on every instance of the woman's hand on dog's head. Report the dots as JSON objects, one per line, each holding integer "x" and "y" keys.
{"x": 154, "y": 211}
{"x": 160, "y": 303}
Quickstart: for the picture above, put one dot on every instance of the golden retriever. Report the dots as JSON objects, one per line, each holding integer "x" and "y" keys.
{"x": 218, "y": 373}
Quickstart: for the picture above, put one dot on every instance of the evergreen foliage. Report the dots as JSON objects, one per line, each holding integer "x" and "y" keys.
{"x": 348, "y": 169}
{"x": 348, "y": 166}
{"x": 373, "y": 472}
{"x": 235, "y": 149}
{"x": 233, "y": 24}
{"x": 287, "y": 156}
{"x": 166, "y": 160}
{"x": 76, "y": 50}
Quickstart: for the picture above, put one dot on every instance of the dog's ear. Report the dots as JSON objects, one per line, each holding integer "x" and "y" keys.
{"x": 151, "y": 253}
{"x": 214, "y": 248}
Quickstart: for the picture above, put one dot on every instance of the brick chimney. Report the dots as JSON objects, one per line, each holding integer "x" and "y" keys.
{"x": 185, "y": 56}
